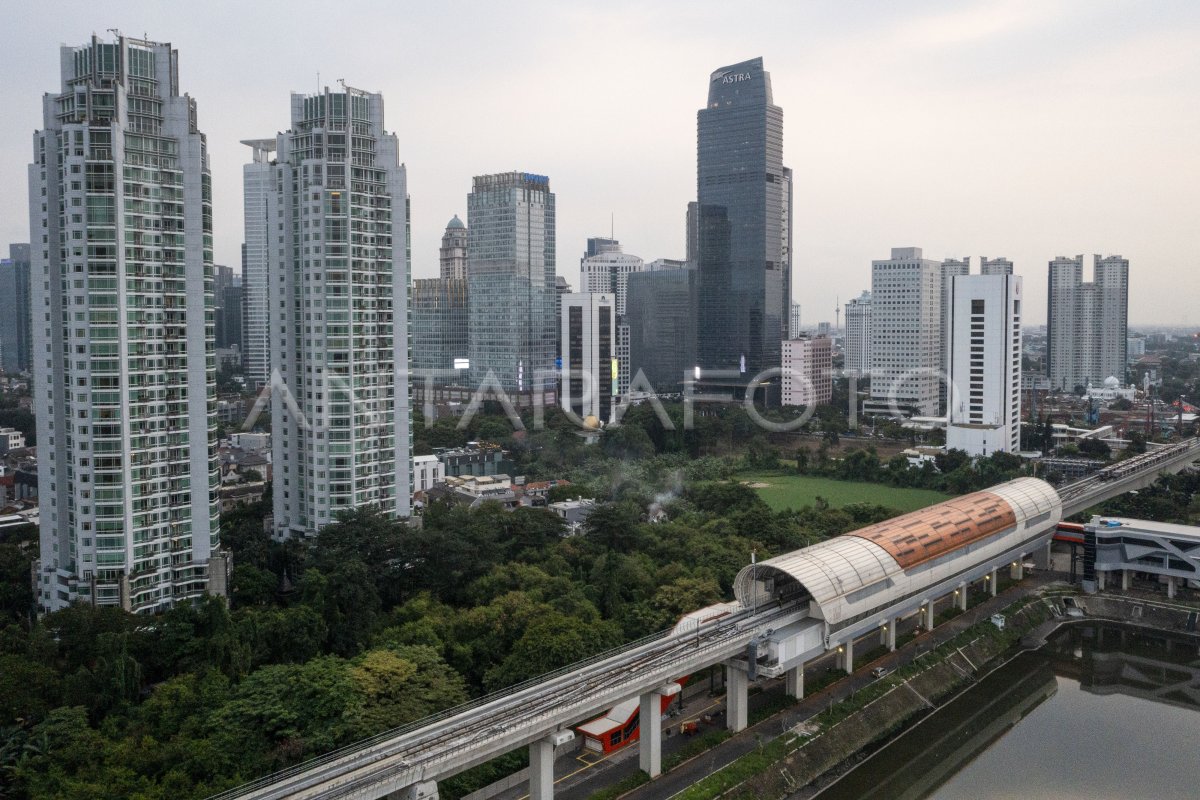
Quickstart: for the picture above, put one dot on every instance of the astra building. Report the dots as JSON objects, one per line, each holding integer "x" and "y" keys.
{"x": 807, "y": 371}
{"x": 339, "y": 304}
{"x": 16, "y": 327}
{"x": 858, "y": 335}
{"x": 906, "y": 342}
{"x": 511, "y": 283}
{"x": 741, "y": 230}
{"x": 590, "y": 380}
{"x": 123, "y": 351}
{"x": 1087, "y": 325}
{"x": 984, "y": 413}
{"x": 259, "y": 259}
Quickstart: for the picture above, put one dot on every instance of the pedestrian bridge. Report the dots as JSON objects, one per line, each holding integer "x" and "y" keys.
{"x": 793, "y": 608}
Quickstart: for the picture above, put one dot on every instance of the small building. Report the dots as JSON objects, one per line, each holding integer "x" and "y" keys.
{"x": 573, "y": 512}
{"x": 807, "y": 371}
{"x": 471, "y": 490}
{"x": 427, "y": 471}
{"x": 11, "y": 439}
{"x": 1126, "y": 549}
{"x": 477, "y": 458}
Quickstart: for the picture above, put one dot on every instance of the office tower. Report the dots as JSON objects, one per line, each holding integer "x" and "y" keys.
{"x": 511, "y": 283}
{"x": 691, "y": 253}
{"x": 794, "y": 328}
{"x": 561, "y": 287}
{"x": 785, "y": 244}
{"x": 259, "y": 259}
{"x": 996, "y": 266}
{"x": 439, "y": 331}
{"x": 339, "y": 305}
{"x": 950, "y": 268}
{"x": 742, "y": 191}
{"x": 906, "y": 352}
{"x": 589, "y": 383}
{"x": 229, "y": 318}
{"x": 453, "y": 256}
{"x": 807, "y": 371}
{"x": 661, "y": 312}
{"x": 123, "y": 341}
{"x": 16, "y": 328}
{"x": 858, "y": 335}
{"x": 597, "y": 245}
{"x": 984, "y": 414}
{"x": 224, "y": 279}
{"x": 1087, "y": 323}
{"x": 608, "y": 271}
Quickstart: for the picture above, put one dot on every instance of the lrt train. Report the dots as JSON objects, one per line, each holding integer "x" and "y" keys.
{"x": 618, "y": 726}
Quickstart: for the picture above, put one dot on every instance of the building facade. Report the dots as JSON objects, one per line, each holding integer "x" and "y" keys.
{"x": 906, "y": 343}
{"x": 661, "y": 313}
{"x": 590, "y": 380}
{"x": 740, "y": 230}
{"x": 260, "y": 259}
{"x": 16, "y": 326}
{"x": 511, "y": 282}
{"x": 795, "y": 328}
{"x": 124, "y": 377}
{"x": 452, "y": 257}
{"x": 608, "y": 272}
{"x": 807, "y": 371}
{"x": 339, "y": 303}
{"x": 440, "y": 342}
{"x": 858, "y": 335}
{"x": 1087, "y": 323}
{"x": 984, "y": 343}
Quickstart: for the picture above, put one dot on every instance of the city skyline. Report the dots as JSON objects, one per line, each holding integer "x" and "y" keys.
{"x": 1080, "y": 122}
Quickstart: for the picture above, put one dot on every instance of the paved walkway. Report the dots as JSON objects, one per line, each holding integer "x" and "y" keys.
{"x": 579, "y": 776}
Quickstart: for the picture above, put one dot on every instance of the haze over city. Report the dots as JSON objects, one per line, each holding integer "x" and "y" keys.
{"x": 1017, "y": 129}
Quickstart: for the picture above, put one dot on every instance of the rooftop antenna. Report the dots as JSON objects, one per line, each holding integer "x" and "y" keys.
{"x": 837, "y": 314}
{"x": 612, "y": 225}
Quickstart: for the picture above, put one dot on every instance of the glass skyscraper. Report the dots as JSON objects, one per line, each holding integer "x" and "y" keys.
{"x": 511, "y": 287}
{"x": 742, "y": 229}
{"x": 16, "y": 329}
{"x": 439, "y": 330}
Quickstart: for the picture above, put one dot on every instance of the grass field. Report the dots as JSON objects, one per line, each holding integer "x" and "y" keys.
{"x": 795, "y": 491}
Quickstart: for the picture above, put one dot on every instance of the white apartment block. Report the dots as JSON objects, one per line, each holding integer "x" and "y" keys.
{"x": 807, "y": 371}
{"x": 857, "y": 343}
{"x": 339, "y": 305}
{"x": 1087, "y": 323}
{"x": 123, "y": 348}
{"x": 427, "y": 471}
{"x": 906, "y": 342}
{"x": 589, "y": 373}
{"x": 984, "y": 413}
{"x": 259, "y": 259}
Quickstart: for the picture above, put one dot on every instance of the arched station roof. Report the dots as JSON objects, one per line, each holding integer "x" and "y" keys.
{"x": 837, "y": 568}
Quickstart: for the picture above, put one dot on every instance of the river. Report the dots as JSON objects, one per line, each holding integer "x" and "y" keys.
{"x": 1102, "y": 712}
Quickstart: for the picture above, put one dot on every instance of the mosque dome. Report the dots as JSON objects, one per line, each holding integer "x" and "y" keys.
{"x": 1111, "y": 382}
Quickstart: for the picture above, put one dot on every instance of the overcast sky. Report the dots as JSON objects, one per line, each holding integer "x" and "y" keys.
{"x": 1023, "y": 129}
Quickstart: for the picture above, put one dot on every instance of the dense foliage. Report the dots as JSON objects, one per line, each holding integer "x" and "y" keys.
{"x": 371, "y": 625}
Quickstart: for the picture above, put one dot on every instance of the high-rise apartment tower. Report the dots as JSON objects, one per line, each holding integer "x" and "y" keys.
{"x": 123, "y": 356}
{"x": 339, "y": 303}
